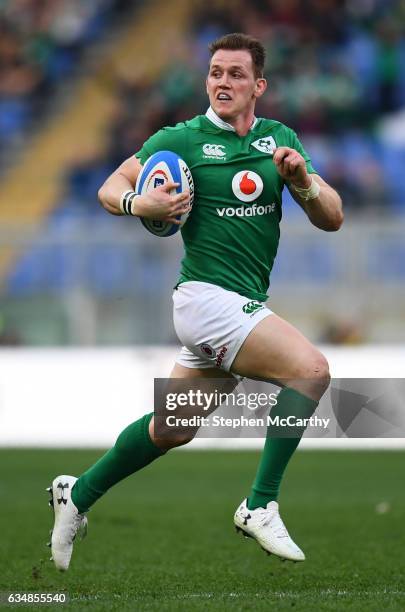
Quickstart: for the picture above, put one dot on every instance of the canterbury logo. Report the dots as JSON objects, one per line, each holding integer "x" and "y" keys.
{"x": 214, "y": 150}
{"x": 252, "y": 307}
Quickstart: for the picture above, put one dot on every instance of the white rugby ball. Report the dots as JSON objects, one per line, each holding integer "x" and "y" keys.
{"x": 160, "y": 168}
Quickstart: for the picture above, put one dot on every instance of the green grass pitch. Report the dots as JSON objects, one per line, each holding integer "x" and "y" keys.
{"x": 164, "y": 538}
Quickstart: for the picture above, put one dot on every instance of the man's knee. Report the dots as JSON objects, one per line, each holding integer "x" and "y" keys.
{"x": 317, "y": 375}
{"x": 321, "y": 370}
{"x": 311, "y": 375}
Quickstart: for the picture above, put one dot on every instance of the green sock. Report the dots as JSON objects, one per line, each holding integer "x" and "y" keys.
{"x": 278, "y": 451}
{"x": 132, "y": 451}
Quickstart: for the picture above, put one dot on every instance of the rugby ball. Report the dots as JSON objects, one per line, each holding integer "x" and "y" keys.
{"x": 160, "y": 168}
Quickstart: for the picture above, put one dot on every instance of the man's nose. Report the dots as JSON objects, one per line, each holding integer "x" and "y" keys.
{"x": 224, "y": 80}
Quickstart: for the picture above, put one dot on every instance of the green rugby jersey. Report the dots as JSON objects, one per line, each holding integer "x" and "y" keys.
{"x": 231, "y": 236}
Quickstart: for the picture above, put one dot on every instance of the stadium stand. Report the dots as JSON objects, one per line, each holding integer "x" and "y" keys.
{"x": 41, "y": 47}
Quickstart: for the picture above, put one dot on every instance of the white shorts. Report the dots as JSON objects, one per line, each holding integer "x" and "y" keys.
{"x": 213, "y": 323}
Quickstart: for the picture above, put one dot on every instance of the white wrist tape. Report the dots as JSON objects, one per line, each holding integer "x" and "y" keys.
{"x": 309, "y": 193}
{"x": 127, "y": 201}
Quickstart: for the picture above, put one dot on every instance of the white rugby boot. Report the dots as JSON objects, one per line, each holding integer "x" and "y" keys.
{"x": 68, "y": 522}
{"x": 266, "y": 527}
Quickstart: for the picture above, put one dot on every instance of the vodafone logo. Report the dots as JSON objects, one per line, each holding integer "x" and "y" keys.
{"x": 247, "y": 185}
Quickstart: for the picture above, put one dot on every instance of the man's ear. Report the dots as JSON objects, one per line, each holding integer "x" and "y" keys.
{"x": 260, "y": 87}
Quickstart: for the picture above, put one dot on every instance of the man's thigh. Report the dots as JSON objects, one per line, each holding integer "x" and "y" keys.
{"x": 274, "y": 350}
{"x": 180, "y": 371}
{"x": 181, "y": 380}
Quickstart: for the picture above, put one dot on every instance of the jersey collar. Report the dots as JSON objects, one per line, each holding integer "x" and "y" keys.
{"x": 213, "y": 117}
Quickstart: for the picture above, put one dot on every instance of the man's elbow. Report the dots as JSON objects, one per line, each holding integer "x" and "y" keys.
{"x": 336, "y": 216}
{"x": 101, "y": 196}
{"x": 103, "y": 199}
{"x": 329, "y": 223}
{"x": 337, "y": 222}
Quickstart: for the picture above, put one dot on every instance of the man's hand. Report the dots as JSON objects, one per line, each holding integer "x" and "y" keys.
{"x": 291, "y": 167}
{"x": 158, "y": 204}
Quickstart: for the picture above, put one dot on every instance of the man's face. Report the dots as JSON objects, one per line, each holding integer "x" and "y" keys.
{"x": 231, "y": 84}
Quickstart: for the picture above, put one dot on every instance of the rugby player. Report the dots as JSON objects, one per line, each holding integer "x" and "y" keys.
{"x": 240, "y": 165}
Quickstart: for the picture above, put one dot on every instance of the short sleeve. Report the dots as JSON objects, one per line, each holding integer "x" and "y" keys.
{"x": 167, "y": 139}
{"x": 297, "y": 145}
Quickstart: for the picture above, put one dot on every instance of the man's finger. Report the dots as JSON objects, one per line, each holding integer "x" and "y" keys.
{"x": 280, "y": 154}
{"x": 167, "y": 187}
{"x": 173, "y": 220}
{"x": 293, "y": 164}
{"x": 289, "y": 164}
{"x": 181, "y": 197}
{"x": 179, "y": 210}
{"x": 280, "y": 159}
{"x": 285, "y": 165}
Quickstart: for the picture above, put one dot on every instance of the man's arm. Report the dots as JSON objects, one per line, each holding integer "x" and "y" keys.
{"x": 157, "y": 204}
{"x": 321, "y": 203}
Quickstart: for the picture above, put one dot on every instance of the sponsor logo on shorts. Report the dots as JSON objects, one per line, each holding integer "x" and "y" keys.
{"x": 265, "y": 145}
{"x": 221, "y": 356}
{"x": 214, "y": 151}
{"x": 252, "y": 307}
{"x": 207, "y": 350}
{"x": 246, "y": 211}
{"x": 247, "y": 185}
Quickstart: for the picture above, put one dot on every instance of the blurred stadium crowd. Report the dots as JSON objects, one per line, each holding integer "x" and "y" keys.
{"x": 41, "y": 45}
{"x": 336, "y": 73}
